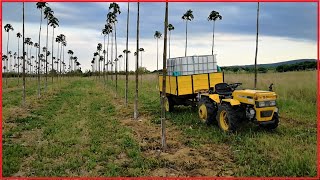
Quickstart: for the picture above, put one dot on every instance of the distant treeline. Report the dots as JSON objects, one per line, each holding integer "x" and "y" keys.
{"x": 301, "y": 66}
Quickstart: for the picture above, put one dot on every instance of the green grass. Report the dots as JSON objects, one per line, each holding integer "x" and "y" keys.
{"x": 290, "y": 150}
{"x": 76, "y": 131}
{"x": 77, "y": 134}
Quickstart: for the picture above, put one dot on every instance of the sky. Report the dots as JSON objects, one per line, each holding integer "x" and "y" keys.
{"x": 287, "y": 31}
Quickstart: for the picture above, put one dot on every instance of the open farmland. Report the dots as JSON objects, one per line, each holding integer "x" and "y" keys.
{"x": 81, "y": 128}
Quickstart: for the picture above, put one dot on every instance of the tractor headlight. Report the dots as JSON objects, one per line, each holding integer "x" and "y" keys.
{"x": 262, "y": 104}
{"x": 272, "y": 103}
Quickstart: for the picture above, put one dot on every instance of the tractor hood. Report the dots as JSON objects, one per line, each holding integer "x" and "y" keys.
{"x": 257, "y": 95}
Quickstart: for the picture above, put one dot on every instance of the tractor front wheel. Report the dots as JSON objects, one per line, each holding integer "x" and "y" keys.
{"x": 275, "y": 123}
{"x": 227, "y": 118}
{"x": 207, "y": 111}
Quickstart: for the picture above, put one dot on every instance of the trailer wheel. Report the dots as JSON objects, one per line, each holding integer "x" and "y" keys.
{"x": 207, "y": 111}
{"x": 168, "y": 104}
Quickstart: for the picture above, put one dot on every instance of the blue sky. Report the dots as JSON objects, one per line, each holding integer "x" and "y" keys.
{"x": 287, "y": 30}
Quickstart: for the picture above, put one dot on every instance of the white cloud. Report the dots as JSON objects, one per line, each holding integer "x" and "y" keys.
{"x": 232, "y": 49}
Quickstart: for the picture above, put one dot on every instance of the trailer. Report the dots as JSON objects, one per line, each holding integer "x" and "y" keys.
{"x": 187, "y": 77}
{"x": 183, "y": 90}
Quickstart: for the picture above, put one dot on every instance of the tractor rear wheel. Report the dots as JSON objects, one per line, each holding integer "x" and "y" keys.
{"x": 168, "y": 104}
{"x": 227, "y": 118}
{"x": 207, "y": 111}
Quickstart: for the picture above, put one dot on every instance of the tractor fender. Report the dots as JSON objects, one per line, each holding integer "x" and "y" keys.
{"x": 215, "y": 98}
{"x": 232, "y": 102}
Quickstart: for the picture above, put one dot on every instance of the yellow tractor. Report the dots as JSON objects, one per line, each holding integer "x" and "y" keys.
{"x": 228, "y": 107}
{"x": 219, "y": 102}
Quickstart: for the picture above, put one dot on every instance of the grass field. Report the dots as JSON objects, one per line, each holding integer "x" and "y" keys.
{"x": 81, "y": 128}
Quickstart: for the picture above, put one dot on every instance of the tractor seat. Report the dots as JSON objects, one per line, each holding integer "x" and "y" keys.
{"x": 223, "y": 89}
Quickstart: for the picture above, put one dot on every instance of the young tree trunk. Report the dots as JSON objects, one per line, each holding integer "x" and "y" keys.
{"x": 141, "y": 69}
{"x": 255, "y": 59}
{"x": 169, "y": 43}
{"x": 30, "y": 67}
{"x": 70, "y": 61}
{"x": 7, "y": 60}
{"x": 111, "y": 56}
{"x": 39, "y": 93}
{"x": 137, "y": 68}
{"x": 46, "y": 83}
{"x": 108, "y": 58}
{"x": 63, "y": 64}
{"x": 157, "y": 55}
{"x": 99, "y": 65}
{"x": 104, "y": 60}
{"x": 24, "y": 61}
{"x": 214, "y": 22}
{"x": 116, "y": 53}
{"x": 18, "y": 62}
{"x": 127, "y": 74}
{"x": 52, "y": 65}
{"x": 58, "y": 62}
{"x": 163, "y": 95}
{"x": 185, "y": 52}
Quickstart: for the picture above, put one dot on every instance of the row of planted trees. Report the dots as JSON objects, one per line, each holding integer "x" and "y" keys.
{"x": 106, "y": 63}
{"x": 106, "y": 60}
{"x": 188, "y": 16}
{"x": 37, "y": 63}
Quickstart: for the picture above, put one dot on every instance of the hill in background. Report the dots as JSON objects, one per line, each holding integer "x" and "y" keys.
{"x": 291, "y": 62}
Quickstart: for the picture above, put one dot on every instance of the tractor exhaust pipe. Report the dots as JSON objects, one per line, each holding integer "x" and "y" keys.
{"x": 270, "y": 87}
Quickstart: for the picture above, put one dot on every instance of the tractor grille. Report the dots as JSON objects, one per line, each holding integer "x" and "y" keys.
{"x": 266, "y": 113}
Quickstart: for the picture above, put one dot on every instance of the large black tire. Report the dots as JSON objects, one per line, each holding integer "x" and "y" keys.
{"x": 228, "y": 117}
{"x": 274, "y": 125}
{"x": 207, "y": 111}
{"x": 168, "y": 104}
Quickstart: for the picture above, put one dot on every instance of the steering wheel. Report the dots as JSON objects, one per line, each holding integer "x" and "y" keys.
{"x": 235, "y": 85}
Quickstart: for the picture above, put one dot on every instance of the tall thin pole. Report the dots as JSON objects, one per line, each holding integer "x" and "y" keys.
{"x": 104, "y": 60}
{"x": 46, "y": 82}
{"x": 127, "y": 65}
{"x": 255, "y": 59}
{"x": 18, "y": 61}
{"x": 169, "y": 43}
{"x": 52, "y": 65}
{"x": 157, "y": 55}
{"x": 137, "y": 67}
{"x": 214, "y": 22}
{"x": 163, "y": 96}
{"x": 185, "y": 52}
{"x": 24, "y": 60}
{"x": 39, "y": 63}
{"x": 7, "y": 68}
{"x": 116, "y": 53}
{"x": 111, "y": 56}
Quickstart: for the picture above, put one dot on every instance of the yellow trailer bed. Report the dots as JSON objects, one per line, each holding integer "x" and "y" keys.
{"x": 190, "y": 84}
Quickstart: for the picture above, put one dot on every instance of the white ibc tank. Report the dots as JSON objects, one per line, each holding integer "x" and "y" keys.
{"x": 191, "y": 65}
